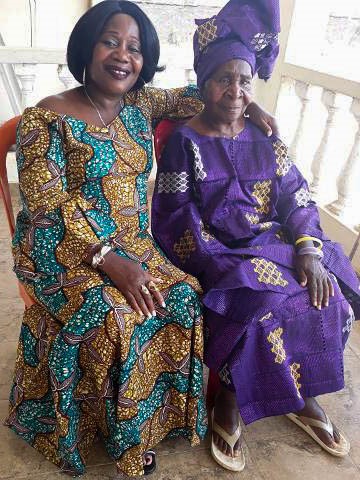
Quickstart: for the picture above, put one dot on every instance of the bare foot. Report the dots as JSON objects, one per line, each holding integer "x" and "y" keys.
{"x": 226, "y": 415}
{"x": 313, "y": 410}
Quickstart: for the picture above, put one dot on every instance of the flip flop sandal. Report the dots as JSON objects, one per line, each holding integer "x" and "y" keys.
{"x": 342, "y": 448}
{"x": 149, "y": 469}
{"x": 235, "y": 464}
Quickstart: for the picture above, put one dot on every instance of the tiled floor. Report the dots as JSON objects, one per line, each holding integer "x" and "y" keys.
{"x": 275, "y": 448}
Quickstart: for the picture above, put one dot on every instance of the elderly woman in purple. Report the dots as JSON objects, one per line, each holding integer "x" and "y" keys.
{"x": 231, "y": 208}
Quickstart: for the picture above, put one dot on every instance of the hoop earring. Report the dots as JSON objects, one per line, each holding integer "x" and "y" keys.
{"x": 84, "y": 76}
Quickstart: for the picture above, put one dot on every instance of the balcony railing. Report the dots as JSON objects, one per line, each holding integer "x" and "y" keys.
{"x": 24, "y": 63}
{"x": 320, "y": 117}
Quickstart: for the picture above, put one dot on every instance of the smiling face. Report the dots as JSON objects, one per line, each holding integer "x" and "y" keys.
{"x": 224, "y": 93}
{"x": 117, "y": 59}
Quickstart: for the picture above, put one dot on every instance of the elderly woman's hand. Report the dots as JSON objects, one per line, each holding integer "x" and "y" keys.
{"x": 138, "y": 286}
{"x": 313, "y": 275}
{"x": 262, "y": 119}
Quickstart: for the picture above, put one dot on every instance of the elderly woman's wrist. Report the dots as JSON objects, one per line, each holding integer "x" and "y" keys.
{"x": 308, "y": 241}
{"x": 313, "y": 251}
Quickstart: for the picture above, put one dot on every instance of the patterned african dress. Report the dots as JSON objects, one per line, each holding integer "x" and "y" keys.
{"x": 228, "y": 211}
{"x": 88, "y": 366}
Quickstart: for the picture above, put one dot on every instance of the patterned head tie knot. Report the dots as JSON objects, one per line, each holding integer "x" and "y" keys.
{"x": 243, "y": 29}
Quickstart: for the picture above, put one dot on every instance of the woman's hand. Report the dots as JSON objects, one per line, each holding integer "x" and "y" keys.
{"x": 138, "y": 286}
{"x": 313, "y": 275}
{"x": 262, "y": 119}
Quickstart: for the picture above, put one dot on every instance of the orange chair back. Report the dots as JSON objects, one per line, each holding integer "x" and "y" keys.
{"x": 7, "y": 139}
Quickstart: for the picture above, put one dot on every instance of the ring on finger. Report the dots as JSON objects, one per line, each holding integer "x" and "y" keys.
{"x": 144, "y": 289}
{"x": 152, "y": 286}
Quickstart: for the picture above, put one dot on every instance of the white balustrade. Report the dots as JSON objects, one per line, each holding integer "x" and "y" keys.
{"x": 334, "y": 176}
{"x": 66, "y": 77}
{"x": 349, "y": 178}
{"x": 25, "y": 62}
{"x": 302, "y": 91}
{"x": 190, "y": 76}
{"x": 26, "y": 73}
{"x": 330, "y": 100}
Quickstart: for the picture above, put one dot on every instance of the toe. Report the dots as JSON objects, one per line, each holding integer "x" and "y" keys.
{"x": 228, "y": 450}
{"x": 325, "y": 437}
{"x": 237, "y": 448}
{"x": 237, "y": 453}
{"x": 218, "y": 442}
{"x": 337, "y": 437}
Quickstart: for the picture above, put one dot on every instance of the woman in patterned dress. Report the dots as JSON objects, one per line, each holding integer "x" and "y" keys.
{"x": 278, "y": 309}
{"x": 113, "y": 345}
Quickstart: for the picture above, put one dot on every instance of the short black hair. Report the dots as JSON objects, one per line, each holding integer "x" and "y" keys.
{"x": 89, "y": 27}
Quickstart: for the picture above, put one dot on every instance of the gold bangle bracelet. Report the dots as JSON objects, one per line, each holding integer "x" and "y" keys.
{"x": 306, "y": 238}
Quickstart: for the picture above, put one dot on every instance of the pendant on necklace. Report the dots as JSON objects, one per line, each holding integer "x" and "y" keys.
{"x": 112, "y": 133}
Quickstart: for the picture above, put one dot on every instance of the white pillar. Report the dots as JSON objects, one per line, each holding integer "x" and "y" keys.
{"x": 26, "y": 73}
{"x": 349, "y": 178}
{"x": 331, "y": 102}
{"x": 190, "y": 76}
{"x": 302, "y": 91}
{"x": 66, "y": 77}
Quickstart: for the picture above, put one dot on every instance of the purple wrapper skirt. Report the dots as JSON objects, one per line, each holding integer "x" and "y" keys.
{"x": 275, "y": 349}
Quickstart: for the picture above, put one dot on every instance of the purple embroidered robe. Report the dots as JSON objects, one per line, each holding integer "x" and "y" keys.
{"x": 228, "y": 211}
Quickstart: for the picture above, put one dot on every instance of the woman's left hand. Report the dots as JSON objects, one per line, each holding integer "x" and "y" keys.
{"x": 262, "y": 119}
{"x": 313, "y": 275}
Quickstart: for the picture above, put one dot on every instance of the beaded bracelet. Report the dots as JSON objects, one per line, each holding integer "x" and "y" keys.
{"x": 98, "y": 258}
{"x": 311, "y": 251}
{"x": 307, "y": 238}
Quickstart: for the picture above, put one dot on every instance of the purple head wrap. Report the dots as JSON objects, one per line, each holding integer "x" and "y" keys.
{"x": 243, "y": 29}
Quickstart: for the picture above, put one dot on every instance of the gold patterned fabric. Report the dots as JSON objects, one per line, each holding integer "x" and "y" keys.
{"x": 87, "y": 364}
{"x": 282, "y": 158}
{"x": 268, "y": 272}
{"x": 277, "y": 348}
{"x": 207, "y": 33}
{"x": 185, "y": 246}
{"x": 253, "y": 219}
{"x": 294, "y": 372}
{"x": 262, "y": 194}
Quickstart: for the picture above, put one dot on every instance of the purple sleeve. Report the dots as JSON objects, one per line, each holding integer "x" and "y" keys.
{"x": 295, "y": 207}
{"x": 177, "y": 225}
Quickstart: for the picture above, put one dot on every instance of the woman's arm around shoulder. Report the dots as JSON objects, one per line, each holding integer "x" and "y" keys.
{"x": 185, "y": 102}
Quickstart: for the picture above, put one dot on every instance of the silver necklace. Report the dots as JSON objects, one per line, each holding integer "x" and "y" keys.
{"x": 97, "y": 110}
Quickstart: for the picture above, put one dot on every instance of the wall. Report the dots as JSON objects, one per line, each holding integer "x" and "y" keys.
{"x": 176, "y": 36}
{"x": 266, "y": 93}
{"x": 55, "y": 20}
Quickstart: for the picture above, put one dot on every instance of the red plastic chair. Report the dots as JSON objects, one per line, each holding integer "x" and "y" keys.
{"x": 161, "y": 135}
{"x": 7, "y": 139}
